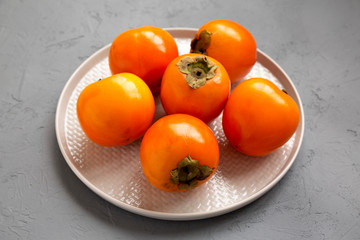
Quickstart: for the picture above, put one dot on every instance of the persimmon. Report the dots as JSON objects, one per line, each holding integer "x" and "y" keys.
{"x": 117, "y": 110}
{"x": 145, "y": 52}
{"x": 195, "y": 84}
{"x": 179, "y": 152}
{"x": 228, "y": 42}
{"x": 259, "y": 117}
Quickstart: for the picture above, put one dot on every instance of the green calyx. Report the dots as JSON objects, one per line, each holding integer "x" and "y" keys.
{"x": 188, "y": 173}
{"x": 200, "y": 43}
{"x": 198, "y": 70}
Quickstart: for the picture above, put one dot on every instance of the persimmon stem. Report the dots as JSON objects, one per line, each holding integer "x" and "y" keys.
{"x": 198, "y": 70}
{"x": 188, "y": 173}
{"x": 201, "y": 42}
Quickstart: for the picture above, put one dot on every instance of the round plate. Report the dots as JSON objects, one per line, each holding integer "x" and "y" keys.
{"x": 115, "y": 173}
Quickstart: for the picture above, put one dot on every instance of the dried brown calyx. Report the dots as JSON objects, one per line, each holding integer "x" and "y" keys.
{"x": 198, "y": 70}
{"x": 201, "y": 43}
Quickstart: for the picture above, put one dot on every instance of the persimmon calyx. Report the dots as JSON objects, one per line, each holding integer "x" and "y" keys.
{"x": 198, "y": 70}
{"x": 201, "y": 43}
{"x": 188, "y": 173}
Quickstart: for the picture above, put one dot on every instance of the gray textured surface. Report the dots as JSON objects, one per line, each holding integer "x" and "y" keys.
{"x": 43, "y": 42}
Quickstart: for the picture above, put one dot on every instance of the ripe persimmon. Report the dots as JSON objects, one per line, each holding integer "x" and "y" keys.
{"x": 179, "y": 152}
{"x": 259, "y": 117}
{"x": 117, "y": 110}
{"x": 145, "y": 52}
{"x": 195, "y": 84}
{"x": 228, "y": 42}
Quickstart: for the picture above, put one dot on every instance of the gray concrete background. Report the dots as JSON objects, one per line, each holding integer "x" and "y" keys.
{"x": 43, "y": 42}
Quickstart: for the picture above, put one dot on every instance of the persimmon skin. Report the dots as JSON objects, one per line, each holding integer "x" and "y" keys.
{"x": 259, "y": 117}
{"x": 145, "y": 52}
{"x": 232, "y": 45}
{"x": 205, "y": 102}
{"x": 117, "y": 110}
{"x": 168, "y": 141}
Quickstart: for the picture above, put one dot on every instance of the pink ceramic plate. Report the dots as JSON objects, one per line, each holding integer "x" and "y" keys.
{"x": 115, "y": 173}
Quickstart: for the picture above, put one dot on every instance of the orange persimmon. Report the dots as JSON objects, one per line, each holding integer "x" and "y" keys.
{"x": 145, "y": 52}
{"x": 259, "y": 117}
{"x": 195, "y": 84}
{"x": 179, "y": 152}
{"x": 117, "y": 110}
{"x": 229, "y": 43}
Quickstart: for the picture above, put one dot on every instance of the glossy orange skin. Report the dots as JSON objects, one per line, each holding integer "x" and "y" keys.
{"x": 205, "y": 102}
{"x": 259, "y": 117}
{"x": 144, "y": 51}
{"x": 117, "y": 110}
{"x": 232, "y": 45}
{"x": 169, "y": 140}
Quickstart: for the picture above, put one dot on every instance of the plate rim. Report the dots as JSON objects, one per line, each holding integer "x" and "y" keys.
{"x": 80, "y": 70}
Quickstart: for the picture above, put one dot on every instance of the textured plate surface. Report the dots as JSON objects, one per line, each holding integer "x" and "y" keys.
{"x": 115, "y": 173}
